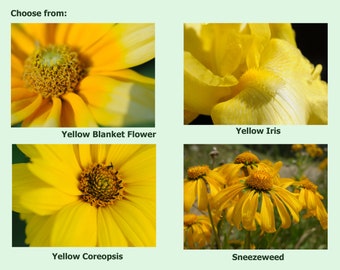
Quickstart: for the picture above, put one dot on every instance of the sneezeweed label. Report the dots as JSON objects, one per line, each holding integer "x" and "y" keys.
{"x": 82, "y": 75}
{"x": 248, "y": 204}
{"x": 250, "y": 74}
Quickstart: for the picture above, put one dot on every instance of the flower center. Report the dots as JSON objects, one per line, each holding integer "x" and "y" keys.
{"x": 53, "y": 70}
{"x": 260, "y": 181}
{"x": 189, "y": 220}
{"x": 305, "y": 183}
{"x": 247, "y": 158}
{"x": 197, "y": 172}
{"x": 101, "y": 185}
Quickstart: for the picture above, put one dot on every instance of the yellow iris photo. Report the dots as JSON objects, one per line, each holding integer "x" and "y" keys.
{"x": 82, "y": 75}
{"x": 254, "y": 74}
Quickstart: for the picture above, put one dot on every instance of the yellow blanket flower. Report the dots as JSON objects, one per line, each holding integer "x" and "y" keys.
{"x": 250, "y": 74}
{"x": 87, "y": 195}
{"x": 79, "y": 75}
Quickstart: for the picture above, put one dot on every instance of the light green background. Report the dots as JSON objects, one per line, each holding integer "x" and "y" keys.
{"x": 169, "y": 17}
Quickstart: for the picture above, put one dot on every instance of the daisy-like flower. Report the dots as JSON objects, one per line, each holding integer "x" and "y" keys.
{"x": 197, "y": 230}
{"x": 200, "y": 182}
{"x": 250, "y": 74}
{"x": 311, "y": 200}
{"x": 254, "y": 199}
{"x": 87, "y": 195}
{"x": 79, "y": 75}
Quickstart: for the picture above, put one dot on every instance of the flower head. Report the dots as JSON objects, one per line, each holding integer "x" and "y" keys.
{"x": 250, "y": 74}
{"x": 197, "y": 230}
{"x": 80, "y": 75}
{"x": 87, "y": 195}
{"x": 311, "y": 200}
{"x": 200, "y": 182}
{"x": 253, "y": 199}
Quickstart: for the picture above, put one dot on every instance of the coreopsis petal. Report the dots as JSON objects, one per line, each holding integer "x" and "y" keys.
{"x": 75, "y": 225}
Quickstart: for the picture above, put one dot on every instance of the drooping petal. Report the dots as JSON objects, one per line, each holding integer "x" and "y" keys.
{"x": 267, "y": 214}
{"x": 249, "y": 210}
{"x": 190, "y": 189}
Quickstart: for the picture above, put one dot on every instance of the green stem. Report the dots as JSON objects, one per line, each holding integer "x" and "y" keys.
{"x": 217, "y": 238}
{"x": 247, "y": 241}
{"x": 274, "y": 238}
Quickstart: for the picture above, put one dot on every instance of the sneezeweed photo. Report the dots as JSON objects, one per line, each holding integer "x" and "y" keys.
{"x": 82, "y": 75}
{"x": 255, "y": 197}
{"x": 86, "y": 195}
{"x": 252, "y": 73}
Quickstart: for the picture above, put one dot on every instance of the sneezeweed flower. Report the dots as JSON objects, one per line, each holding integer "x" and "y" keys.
{"x": 87, "y": 195}
{"x": 250, "y": 74}
{"x": 200, "y": 182}
{"x": 80, "y": 75}
{"x": 197, "y": 231}
{"x": 255, "y": 197}
{"x": 311, "y": 200}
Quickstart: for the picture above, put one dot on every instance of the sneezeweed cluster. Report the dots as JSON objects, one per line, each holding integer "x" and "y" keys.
{"x": 87, "y": 195}
{"x": 248, "y": 201}
{"x": 250, "y": 74}
{"x": 81, "y": 75}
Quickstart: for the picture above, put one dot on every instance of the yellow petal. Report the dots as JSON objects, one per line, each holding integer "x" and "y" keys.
{"x": 109, "y": 234}
{"x": 118, "y": 103}
{"x": 23, "y": 108}
{"x": 202, "y": 88}
{"x": 264, "y": 98}
{"x": 75, "y": 226}
{"x": 124, "y": 46}
{"x": 75, "y": 112}
{"x": 267, "y": 214}
{"x": 190, "y": 189}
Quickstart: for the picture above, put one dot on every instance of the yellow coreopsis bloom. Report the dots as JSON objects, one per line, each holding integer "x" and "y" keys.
{"x": 250, "y": 74}
{"x": 87, "y": 195}
{"x": 200, "y": 182}
{"x": 79, "y": 75}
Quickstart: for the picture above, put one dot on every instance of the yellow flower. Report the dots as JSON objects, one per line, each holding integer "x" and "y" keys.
{"x": 253, "y": 200}
{"x": 87, "y": 195}
{"x": 79, "y": 75}
{"x": 199, "y": 182}
{"x": 197, "y": 230}
{"x": 250, "y": 74}
{"x": 311, "y": 200}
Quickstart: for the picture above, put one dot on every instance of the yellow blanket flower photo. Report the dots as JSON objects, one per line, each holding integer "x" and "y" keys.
{"x": 253, "y": 74}
{"x": 84, "y": 195}
{"x": 82, "y": 75}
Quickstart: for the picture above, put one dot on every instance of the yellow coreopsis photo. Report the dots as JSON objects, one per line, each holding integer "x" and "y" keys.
{"x": 82, "y": 75}
{"x": 87, "y": 195}
{"x": 251, "y": 73}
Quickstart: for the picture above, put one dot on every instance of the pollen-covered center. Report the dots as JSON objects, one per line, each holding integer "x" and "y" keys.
{"x": 307, "y": 184}
{"x": 260, "y": 181}
{"x": 53, "y": 71}
{"x": 189, "y": 220}
{"x": 197, "y": 172}
{"x": 101, "y": 185}
{"x": 247, "y": 158}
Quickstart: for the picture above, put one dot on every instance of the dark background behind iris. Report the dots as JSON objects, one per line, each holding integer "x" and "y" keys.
{"x": 312, "y": 40}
